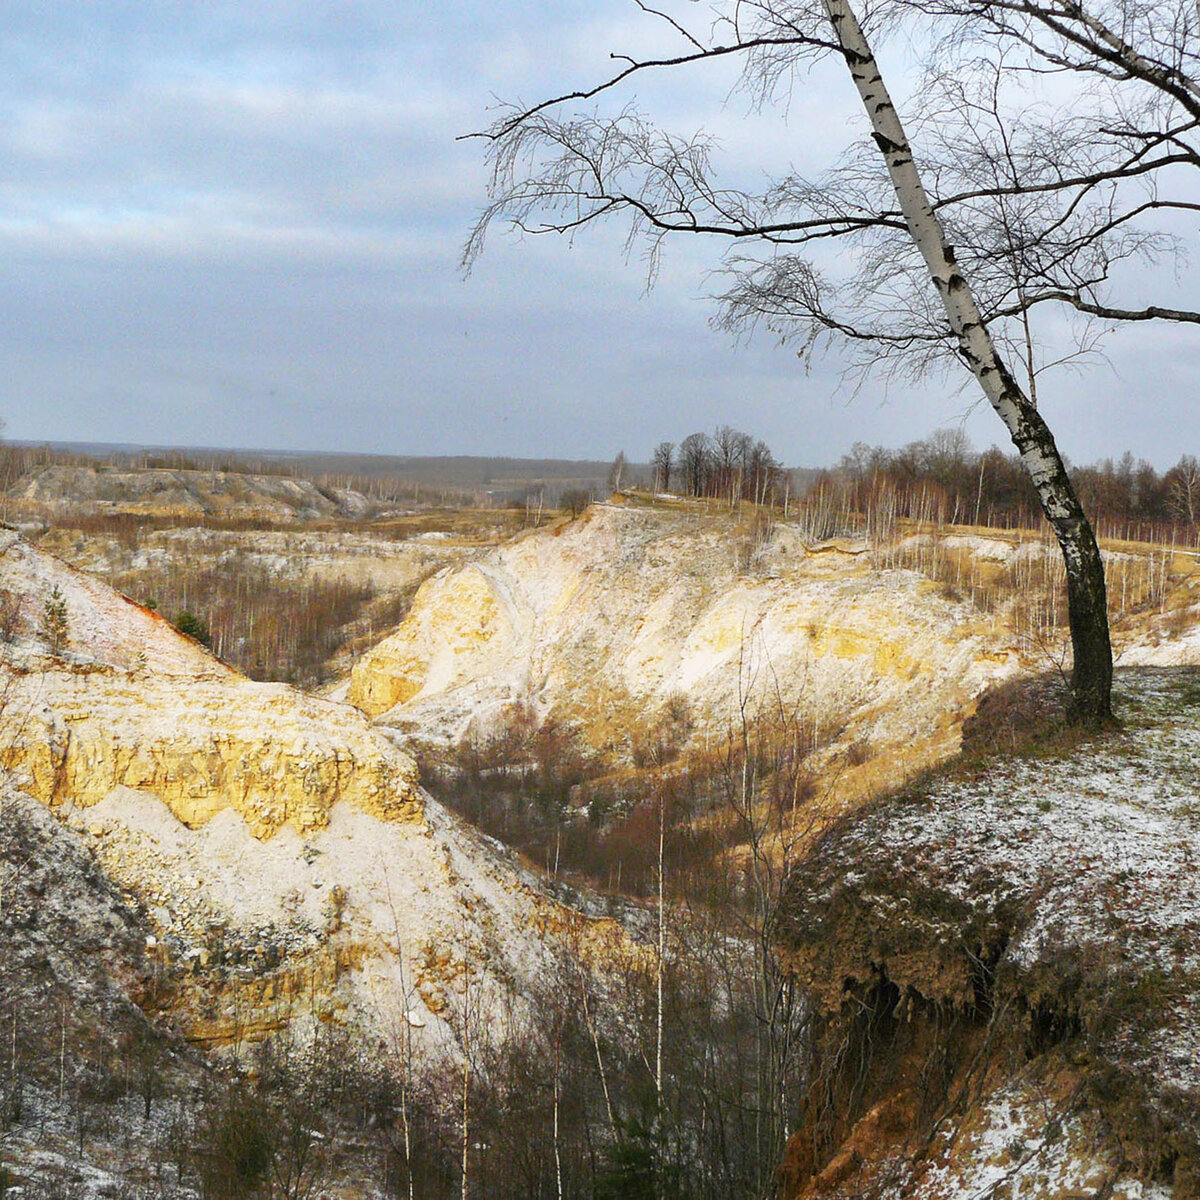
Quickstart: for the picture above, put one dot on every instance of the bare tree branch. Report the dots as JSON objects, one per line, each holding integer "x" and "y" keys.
{"x": 1010, "y": 196}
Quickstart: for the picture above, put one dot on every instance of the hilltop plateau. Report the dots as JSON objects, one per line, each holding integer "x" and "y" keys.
{"x": 105, "y": 490}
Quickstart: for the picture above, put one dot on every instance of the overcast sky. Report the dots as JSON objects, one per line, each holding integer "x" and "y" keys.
{"x": 239, "y": 224}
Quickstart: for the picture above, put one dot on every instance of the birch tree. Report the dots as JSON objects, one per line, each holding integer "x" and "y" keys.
{"x": 947, "y": 254}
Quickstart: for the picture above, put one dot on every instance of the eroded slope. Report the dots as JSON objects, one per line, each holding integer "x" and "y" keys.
{"x": 289, "y": 863}
{"x": 129, "y": 702}
{"x": 605, "y": 621}
{"x": 1014, "y": 948}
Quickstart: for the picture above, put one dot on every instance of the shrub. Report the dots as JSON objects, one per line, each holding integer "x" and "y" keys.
{"x": 55, "y": 622}
{"x": 10, "y": 614}
{"x": 574, "y": 501}
{"x": 194, "y": 627}
{"x": 236, "y": 1145}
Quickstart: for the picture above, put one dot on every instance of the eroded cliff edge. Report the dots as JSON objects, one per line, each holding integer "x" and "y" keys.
{"x": 1004, "y": 963}
{"x": 602, "y": 623}
{"x": 279, "y": 851}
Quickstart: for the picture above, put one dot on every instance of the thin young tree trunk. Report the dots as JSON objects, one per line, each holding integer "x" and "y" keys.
{"x": 591, "y": 1027}
{"x": 62, "y": 1056}
{"x": 662, "y": 933}
{"x": 660, "y": 1125}
{"x": 466, "y": 1082}
{"x": 1091, "y": 676}
{"x": 558, "y": 1175}
{"x": 465, "y": 1127}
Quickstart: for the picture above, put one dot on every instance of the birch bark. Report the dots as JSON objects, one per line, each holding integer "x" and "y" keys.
{"x": 1091, "y": 674}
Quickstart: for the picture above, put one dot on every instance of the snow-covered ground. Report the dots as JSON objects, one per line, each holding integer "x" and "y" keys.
{"x": 1068, "y": 877}
{"x": 1099, "y": 851}
{"x": 1021, "y": 1146}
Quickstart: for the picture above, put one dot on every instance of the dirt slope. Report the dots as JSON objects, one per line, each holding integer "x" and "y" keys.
{"x": 289, "y": 862}
{"x": 1010, "y": 961}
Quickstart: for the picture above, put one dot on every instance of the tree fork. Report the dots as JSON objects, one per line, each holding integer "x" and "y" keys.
{"x": 1087, "y": 598}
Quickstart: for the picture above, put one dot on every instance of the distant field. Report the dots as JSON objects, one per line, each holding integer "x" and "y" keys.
{"x": 463, "y": 473}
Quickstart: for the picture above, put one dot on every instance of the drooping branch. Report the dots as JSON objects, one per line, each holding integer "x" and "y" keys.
{"x": 1086, "y": 31}
{"x": 793, "y": 41}
{"x": 554, "y": 175}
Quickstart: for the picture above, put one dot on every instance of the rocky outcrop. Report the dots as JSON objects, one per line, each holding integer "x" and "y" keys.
{"x": 605, "y": 620}
{"x": 461, "y": 624}
{"x": 130, "y": 702}
{"x": 1005, "y": 961}
{"x": 278, "y": 846}
{"x": 274, "y": 756}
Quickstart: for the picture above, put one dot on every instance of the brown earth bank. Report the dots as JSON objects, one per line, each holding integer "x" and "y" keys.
{"x": 1004, "y": 963}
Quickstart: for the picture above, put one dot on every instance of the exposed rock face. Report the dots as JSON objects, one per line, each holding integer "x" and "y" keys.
{"x": 274, "y": 756}
{"x": 362, "y": 921}
{"x": 132, "y": 703}
{"x": 169, "y": 492}
{"x": 604, "y": 620}
{"x": 458, "y": 630}
{"x": 1013, "y": 949}
{"x": 279, "y": 846}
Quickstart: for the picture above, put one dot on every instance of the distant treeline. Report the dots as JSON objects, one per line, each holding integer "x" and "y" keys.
{"x": 728, "y": 465}
{"x": 940, "y": 479}
{"x": 458, "y": 481}
{"x": 944, "y": 480}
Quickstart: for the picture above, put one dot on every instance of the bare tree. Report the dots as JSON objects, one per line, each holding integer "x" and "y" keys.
{"x": 662, "y": 461}
{"x": 616, "y": 471}
{"x": 730, "y": 449}
{"x": 695, "y": 463}
{"x": 1183, "y": 489}
{"x": 762, "y": 471}
{"x": 1017, "y": 209}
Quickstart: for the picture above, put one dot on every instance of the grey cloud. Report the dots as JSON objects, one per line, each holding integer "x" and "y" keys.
{"x": 240, "y": 224}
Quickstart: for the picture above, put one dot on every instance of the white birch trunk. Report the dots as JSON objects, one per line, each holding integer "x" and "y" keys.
{"x": 1092, "y": 670}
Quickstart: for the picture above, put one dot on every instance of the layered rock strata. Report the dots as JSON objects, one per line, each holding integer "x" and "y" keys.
{"x": 130, "y": 702}
{"x": 629, "y": 609}
{"x": 278, "y": 846}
